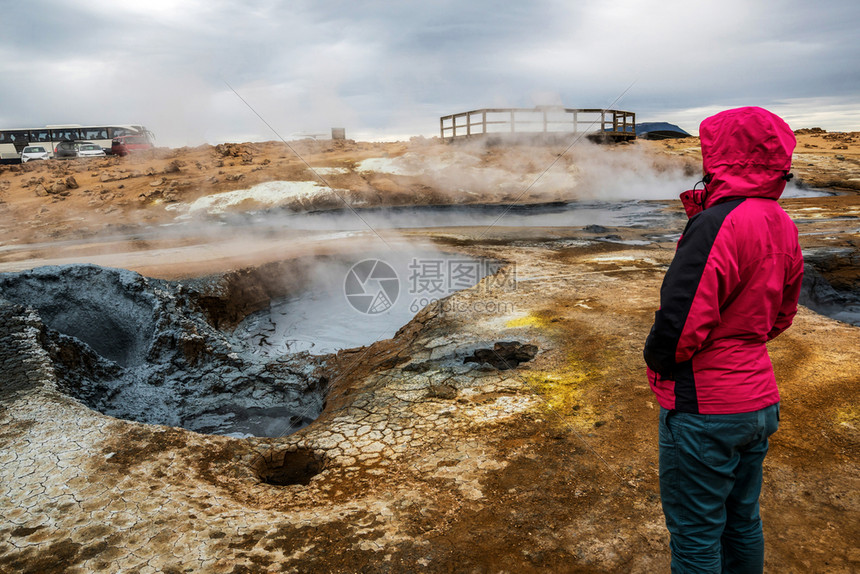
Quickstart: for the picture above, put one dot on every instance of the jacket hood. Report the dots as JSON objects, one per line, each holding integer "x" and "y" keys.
{"x": 694, "y": 201}
{"x": 747, "y": 152}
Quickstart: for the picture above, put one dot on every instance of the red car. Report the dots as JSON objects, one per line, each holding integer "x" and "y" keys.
{"x": 123, "y": 145}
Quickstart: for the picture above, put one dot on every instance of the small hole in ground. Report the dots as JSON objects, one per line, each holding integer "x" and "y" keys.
{"x": 290, "y": 467}
{"x": 504, "y": 355}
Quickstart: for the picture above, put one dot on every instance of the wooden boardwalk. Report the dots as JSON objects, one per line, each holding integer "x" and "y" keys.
{"x": 540, "y": 122}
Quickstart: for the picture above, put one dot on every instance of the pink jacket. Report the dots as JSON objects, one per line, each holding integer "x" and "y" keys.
{"x": 735, "y": 279}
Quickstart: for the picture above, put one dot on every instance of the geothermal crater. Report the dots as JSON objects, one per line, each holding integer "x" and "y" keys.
{"x": 241, "y": 354}
{"x": 143, "y": 349}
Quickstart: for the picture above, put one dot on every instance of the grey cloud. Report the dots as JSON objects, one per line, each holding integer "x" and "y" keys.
{"x": 383, "y": 68}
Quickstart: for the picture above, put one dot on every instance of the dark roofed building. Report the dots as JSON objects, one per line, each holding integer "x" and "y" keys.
{"x": 659, "y": 131}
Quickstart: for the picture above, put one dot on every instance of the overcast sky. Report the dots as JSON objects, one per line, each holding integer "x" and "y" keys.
{"x": 389, "y": 69}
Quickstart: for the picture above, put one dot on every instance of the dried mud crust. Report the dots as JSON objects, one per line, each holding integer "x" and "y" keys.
{"x": 422, "y": 461}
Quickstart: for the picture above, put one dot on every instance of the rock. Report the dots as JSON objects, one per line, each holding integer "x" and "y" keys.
{"x": 442, "y": 392}
{"x": 231, "y": 150}
{"x": 173, "y": 167}
{"x": 71, "y": 183}
{"x": 157, "y": 182}
{"x": 595, "y": 229}
{"x": 812, "y": 131}
{"x": 58, "y": 186}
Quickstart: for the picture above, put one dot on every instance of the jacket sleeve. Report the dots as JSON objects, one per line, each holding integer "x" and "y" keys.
{"x": 790, "y": 295}
{"x": 700, "y": 279}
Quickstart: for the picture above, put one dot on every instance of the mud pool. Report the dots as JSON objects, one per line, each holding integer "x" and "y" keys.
{"x": 628, "y": 213}
{"x": 323, "y": 318}
{"x": 217, "y": 355}
{"x": 564, "y": 214}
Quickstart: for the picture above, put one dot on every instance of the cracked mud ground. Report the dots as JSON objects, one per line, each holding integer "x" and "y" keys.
{"x": 422, "y": 461}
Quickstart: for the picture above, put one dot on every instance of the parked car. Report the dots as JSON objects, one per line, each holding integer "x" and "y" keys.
{"x": 66, "y": 149}
{"x": 32, "y": 152}
{"x": 69, "y": 149}
{"x": 123, "y": 145}
{"x": 90, "y": 150}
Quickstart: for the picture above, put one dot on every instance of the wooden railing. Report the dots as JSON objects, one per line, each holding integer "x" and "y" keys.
{"x": 611, "y": 125}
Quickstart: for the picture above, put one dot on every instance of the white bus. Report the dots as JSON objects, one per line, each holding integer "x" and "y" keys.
{"x": 13, "y": 141}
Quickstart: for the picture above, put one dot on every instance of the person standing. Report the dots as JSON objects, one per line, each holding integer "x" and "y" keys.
{"x": 732, "y": 286}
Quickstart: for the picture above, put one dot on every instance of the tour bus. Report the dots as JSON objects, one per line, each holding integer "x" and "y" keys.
{"x": 13, "y": 141}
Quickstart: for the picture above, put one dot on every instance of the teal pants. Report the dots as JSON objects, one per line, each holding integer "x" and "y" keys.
{"x": 710, "y": 481}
